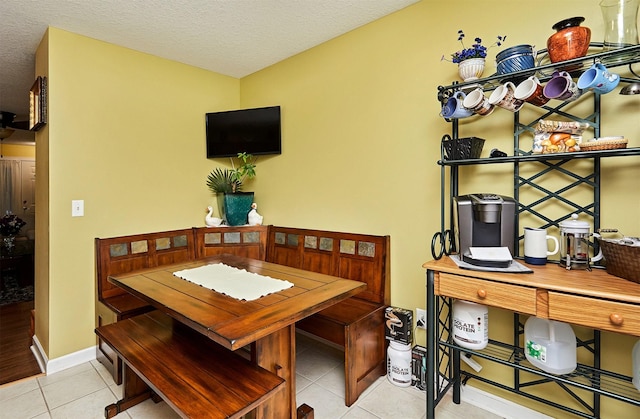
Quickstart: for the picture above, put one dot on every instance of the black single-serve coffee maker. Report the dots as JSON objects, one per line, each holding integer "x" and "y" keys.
{"x": 485, "y": 220}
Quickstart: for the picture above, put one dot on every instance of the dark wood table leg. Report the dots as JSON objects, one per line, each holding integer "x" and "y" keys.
{"x": 277, "y": 353}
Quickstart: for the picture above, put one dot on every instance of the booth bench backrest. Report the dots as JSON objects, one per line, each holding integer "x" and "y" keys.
{"x": 359, "y": 257}
{"x": 118, "y": 255}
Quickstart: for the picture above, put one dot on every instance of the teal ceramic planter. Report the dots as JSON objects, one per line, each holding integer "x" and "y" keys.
{"x": 235, "y": 207}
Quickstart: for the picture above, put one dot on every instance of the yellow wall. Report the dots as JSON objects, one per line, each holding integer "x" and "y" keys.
{"x": 361, "y": 137}
{"x": 18, "y": 150}
{"x": 126, "y": 135}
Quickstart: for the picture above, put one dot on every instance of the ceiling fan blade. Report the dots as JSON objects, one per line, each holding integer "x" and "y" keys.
{"x": 7, "y": 121}
{"x": 22, "y": 125}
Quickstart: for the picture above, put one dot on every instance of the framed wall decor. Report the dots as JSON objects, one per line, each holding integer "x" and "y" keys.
{"x": 38, "y": 104}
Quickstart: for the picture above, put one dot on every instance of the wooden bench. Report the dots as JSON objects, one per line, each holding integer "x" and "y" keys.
{"x": 356, "y": 324}
{"x": 124, "y": 254}
{"x": 118, "y": 255}
{"x": 206, "y": 380}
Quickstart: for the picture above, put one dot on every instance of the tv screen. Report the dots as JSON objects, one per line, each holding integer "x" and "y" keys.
{"x": 254, "y": 131}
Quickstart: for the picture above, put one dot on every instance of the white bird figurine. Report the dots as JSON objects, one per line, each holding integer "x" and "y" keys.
{"x": 210, "y": 220}
{"x": 254, "y": 218}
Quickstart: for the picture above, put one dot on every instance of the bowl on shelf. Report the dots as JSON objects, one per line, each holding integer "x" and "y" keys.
{"x": 518, "y": 58}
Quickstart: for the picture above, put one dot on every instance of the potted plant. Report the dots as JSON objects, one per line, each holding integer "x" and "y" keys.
{"x": 471, "y": 60}
{"x": 10, "y": 225}
{"x": 233, "y": 203}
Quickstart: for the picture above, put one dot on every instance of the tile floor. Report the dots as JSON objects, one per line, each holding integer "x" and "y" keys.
{"x": 84, "y": 391}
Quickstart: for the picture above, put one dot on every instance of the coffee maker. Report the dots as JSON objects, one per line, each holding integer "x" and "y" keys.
{"x": 485, "y": 220}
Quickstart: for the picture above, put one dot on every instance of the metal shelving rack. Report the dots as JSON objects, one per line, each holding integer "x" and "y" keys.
{"x": 447, "y": 355}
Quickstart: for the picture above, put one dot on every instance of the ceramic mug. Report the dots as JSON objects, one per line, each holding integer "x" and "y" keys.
{"x": 561, "y": 87}
{"x": 453, "y": 107}
{"x": 477, "y": 102}
{"x": 504, "y": 97}
{"x": 530, "y": 90}
{"x": 536, "y": 246}
{"x": 598, "y": 79}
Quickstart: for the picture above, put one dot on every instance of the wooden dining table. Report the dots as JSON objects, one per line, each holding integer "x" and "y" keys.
{"x": 265, "y": 325}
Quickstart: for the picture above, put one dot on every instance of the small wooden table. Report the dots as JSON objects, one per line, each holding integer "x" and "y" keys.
{"x": 268, "y": 323}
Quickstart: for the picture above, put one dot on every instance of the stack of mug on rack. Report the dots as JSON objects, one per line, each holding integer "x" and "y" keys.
{"x": 507, "y": 95}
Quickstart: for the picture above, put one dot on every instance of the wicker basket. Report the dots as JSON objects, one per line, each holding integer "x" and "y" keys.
{"x": 461, "y": 148}
{"x": 604, "y": 145}
{"x": 622, "y": 260}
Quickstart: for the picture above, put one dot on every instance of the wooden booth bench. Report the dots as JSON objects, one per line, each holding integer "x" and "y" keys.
{"x": 119, "y": 255}
{"x": 225, "y": 385}
{"x": 356, "y": 324}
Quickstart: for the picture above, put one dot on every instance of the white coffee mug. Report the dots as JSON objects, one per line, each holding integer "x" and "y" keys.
{"x": 536, "y": 247}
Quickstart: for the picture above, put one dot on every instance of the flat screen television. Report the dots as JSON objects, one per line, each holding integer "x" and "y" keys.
{"x": 254, "y": 131}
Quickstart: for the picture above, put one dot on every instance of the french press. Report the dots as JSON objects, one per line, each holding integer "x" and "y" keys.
{"x": 574, "y": 244}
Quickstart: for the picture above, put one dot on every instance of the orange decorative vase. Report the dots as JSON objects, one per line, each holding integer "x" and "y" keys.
{"x": 570, "y": 40}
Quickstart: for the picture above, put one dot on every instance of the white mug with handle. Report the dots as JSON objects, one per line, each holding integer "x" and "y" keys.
{"x": 536, "y": 247}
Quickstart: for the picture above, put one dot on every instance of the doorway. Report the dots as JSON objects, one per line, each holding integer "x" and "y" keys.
{"x": 17, "y": 196}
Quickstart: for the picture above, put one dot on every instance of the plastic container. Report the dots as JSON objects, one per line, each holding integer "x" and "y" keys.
{"x": 399, "y": 364}
{"x": 636, "y": 365}
{"x": 550, "y": 345}
{"x": 470, "y": 324}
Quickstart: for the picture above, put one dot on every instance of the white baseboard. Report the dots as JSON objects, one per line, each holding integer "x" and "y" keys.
{"x": 38, "y": 352}
{"x": 51, "y": 366}
{"x": 494, "y": 404}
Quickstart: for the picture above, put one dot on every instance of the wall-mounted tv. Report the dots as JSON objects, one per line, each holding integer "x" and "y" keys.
{"x": 254, "y": 131}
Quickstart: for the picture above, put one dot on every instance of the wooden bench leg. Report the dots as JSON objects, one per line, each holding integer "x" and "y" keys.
{"x": 305, "y": 412}
{"x": 135, "y": 391}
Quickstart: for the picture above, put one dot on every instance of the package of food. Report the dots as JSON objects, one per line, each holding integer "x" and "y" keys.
{"x": 570, "y": 127}
{"x": 555, "y": 142}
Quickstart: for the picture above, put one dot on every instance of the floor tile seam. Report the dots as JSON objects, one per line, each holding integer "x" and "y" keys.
{"x": 75, "y": 400}
{"x": 44, "y": 399}
{"x": 330, "y": 389}
{"x": 100, "y": 375}
{"x": 355, "y": 406}
{"x": 313, "y": 380}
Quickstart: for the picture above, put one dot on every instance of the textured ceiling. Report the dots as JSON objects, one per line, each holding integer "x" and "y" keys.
{"x": 231, "y": 37}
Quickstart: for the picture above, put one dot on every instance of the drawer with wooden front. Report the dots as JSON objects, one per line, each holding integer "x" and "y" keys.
{"x": 508, "y": 296}
{"x": 595, "y": 313}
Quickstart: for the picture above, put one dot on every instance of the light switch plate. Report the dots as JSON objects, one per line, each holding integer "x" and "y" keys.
{"x": 77, "y": 208}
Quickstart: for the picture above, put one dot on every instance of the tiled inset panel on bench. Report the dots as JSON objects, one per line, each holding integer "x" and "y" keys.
{"x": 251, "y": 237}
{"x": 292, "y": 239}
{"x": 326, "y": 244}
{"x": 163, "y": 243}
{"x": 280, "y": 238}
{"x": 311, "y": 242}
{"x": 118, "y": 249}
{"x": 232, "y": 237}
{"x": 367, "y": 249}
{"x": 140, "y": 246}
{"x": 348, "y": 247}
{"x": 180, "y": 241}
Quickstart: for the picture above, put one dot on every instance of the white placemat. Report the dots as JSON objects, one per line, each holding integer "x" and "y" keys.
{"x": 234, "y": 282}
